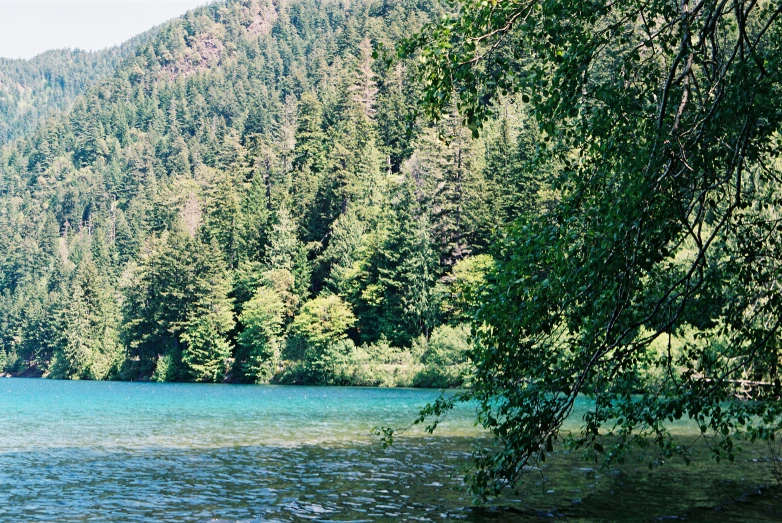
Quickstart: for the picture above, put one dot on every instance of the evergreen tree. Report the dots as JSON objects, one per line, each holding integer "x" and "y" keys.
{"x": 179, "y": 293}
{"x": 365, "y": 88}
{"x": 392, "y": 287}
{"x": 284, "y": 246}
{"x": 73, "y": 354}
{"x": 448, "y": 181}
{"x": 209, "y": 317}
{"x": 260, "y": 161}
{"x": 222, "y": 216}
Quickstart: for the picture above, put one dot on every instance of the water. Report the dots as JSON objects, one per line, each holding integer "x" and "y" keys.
{"x": 126, "y": 452}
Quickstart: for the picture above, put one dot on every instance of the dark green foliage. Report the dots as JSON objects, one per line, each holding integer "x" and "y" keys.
{"x": 647, "y": 277}
{"x": 177, "y": 305}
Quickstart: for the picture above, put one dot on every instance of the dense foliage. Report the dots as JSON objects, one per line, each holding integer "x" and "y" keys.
{"x": 651, "y": 280}
{"x": 247, "y": 199}
{"x": 33, "y": 90}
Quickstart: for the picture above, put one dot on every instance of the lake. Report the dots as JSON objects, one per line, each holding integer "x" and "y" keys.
{"x": 126, "y": 452}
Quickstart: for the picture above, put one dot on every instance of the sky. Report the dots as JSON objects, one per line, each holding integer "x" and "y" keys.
{"x": 30, "y": 27}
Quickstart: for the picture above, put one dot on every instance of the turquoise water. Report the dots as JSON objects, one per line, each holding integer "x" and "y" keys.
{"x": 129, "y": 416}
{"x": 104, "y": 451}
{"x": 129, "y": 452}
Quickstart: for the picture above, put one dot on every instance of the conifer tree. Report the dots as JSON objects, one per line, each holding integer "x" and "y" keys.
{"x": 284, "y": 245}
{"x": 73, "y": 354}
{"x": 222, "y": 215}
{"x": 447, "y": 179}
{"x": 392, "y": 287}
{"x": 365, "y": 87}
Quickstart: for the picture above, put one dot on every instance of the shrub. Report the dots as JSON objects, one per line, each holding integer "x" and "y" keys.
{"x": 444, "y": 356}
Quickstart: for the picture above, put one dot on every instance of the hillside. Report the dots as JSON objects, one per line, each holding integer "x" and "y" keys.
{"x": 32, "y": 90}
{"x": 247, "y": 199}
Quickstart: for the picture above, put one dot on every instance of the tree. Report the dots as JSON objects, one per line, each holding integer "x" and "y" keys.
{"x": 323, "y": 321}
{"x": 283, "y": 242}
{"x": 222, "y": 216}
{"x": 178, "y": 306}
{"x": 322, "y": 325}
{"x": 206, "y": 350}
{"x": 309, "y": 137}
{"x": 461, "y": 289}
{"x": 73, "y": 355}
{"x": 365, "y": 88}
{"x": 343, "y": 250}
{"x": 262, "y": 318}
{"x": 351, "y": 171}
{"x": 275, "y": 169}
{"x": 391, "y": 282}
{"x": 446, "y": 176}
{"x": 663, "y": 116}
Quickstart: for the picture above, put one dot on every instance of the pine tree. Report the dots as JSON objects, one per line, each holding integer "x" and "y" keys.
{"x": 253, "y": 222}
{"x": 396, "y": 105}
{"x": 222, "y": 216}
{"x": 365, "y": 88}
{"x": 511, "y": 173}
{"x": 351, "y": 174}
{"x": 344, "y": 251}
{"x": 179, "y": 289}
{"x": 283, "y": 246}
{"x": 310, "y": 139}
{"x": 392, "y": 285}
{"x": 448, "y": 179}
{"x": 206, "y": 349}
{"x": 73, "y": 354}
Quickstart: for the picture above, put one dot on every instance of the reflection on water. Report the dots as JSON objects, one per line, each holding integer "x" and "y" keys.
{"x": 126, "y": 452}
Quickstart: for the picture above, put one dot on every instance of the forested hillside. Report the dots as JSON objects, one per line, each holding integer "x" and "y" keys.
{"x": 247, "y": 198}
{"x": 32, "y": 90}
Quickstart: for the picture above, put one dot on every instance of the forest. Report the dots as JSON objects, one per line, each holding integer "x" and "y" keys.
{"x": 246, "y": 194}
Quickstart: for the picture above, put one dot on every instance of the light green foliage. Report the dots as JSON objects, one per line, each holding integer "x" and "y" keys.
{"x": 72, "y": 356}
{"x": 462, "y": 289}
{"x": 164, "y": 368}
{"x": 284, "y": 246}
{"x": 444, "y": 356}
{"x": 323, "y": 321}
{"x": 344, "y": 250}
{"x": 447, "y": 345}
{"x": 206, "y": 350}
{"x": 262, "y": 318}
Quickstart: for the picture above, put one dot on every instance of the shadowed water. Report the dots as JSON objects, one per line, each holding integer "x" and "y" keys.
{"x": 121, "y": 452}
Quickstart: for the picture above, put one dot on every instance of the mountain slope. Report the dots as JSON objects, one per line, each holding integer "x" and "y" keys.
{"x": 245, "y": 198}
{"x": 32, "y": 90}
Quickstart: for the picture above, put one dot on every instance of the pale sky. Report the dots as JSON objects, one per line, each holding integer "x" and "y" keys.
{"x": 30, "y": 27}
